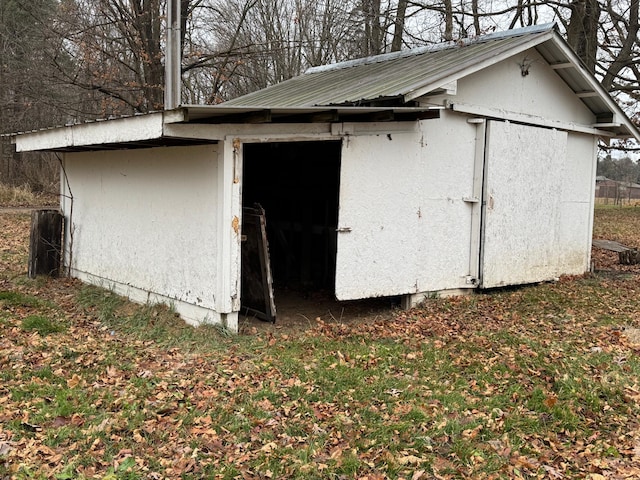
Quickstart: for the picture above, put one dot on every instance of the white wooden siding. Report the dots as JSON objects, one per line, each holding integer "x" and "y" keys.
{"x": 146, "y": 221}
{"x": 540, "y": 93}
{"x": 524, "y": 172}
{"x": 402, "y": 199}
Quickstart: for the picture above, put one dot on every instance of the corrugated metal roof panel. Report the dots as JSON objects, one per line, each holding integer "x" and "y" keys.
{"x": 389, "y": 76}
{"x": 397, "y": 78}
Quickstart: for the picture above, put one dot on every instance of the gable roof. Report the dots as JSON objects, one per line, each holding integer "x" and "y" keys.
{"x": 399, "y": 78}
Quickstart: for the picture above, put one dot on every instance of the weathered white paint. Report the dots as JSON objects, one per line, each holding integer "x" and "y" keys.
{"x": 288, "y": 132}
{"x": 249, "y": 132}
{"x": 526, "y": 119}
{"x": 473, "y": 68}
{"x": 540, "y": 94}
{"x": 522, "y": 222}
{"x": 402, "y": 199}
{"x": 163, "y": 224}
{"x": 127, "y": 129}
{"x": 476, "y": 207}
{"x": 145, "y": 223}
{"x": 578, "y": 194}
{"x": 228, "y": 206}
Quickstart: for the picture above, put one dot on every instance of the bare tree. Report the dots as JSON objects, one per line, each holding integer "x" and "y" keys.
{"x": 112, "y": 50}
{"x": 28, "y": 97}
{"x": 116, "y": 48}
{"x": 399, "y": 25}
{"x": 620, "y": 43}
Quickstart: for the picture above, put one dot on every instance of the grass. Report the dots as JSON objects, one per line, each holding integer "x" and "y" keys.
{"x": 617, "y": 223}
{"x": 535, "y": 382}
{"x": 17, "y": 299}
{"x": 23, "y": 196}
{"x": 41, "y": 324}
{"x": 16, "y": 195}
{"x": 158, "y": 323}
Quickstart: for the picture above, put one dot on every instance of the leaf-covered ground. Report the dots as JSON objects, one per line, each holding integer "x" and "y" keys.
{"x": 535, "y": 382}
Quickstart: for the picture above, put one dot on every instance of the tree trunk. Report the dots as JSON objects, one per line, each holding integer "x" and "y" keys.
{"x": 476, "y": 17}
{"x": 626, "y": 53}
{"x": 396, "y": 44}
{"x": 448, "y": 21}
{"x": 372, "y": 29}
{"x": 582, "y": 33}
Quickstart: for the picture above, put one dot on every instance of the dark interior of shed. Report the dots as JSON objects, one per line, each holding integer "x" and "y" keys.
{"x": 297, "y": 185}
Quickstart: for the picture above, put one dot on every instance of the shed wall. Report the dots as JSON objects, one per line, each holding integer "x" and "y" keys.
{"x": 577, "y": 199}
{"x": 144, "y": 222}
{"x": 540, "y": 93}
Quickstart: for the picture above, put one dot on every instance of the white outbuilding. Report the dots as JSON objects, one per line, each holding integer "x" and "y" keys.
{"x": 468, "y": 165}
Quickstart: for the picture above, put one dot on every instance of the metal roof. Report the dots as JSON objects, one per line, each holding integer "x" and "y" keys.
{"x": 388, "y": 77}
{"x": 399, "y": 78}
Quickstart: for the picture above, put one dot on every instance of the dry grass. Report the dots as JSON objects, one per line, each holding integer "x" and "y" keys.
{"x": 621, "y": 224}
{"x": 23, "y": 196}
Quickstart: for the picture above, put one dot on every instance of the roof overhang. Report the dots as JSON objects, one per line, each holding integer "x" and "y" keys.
{"x": 568, "y": 66}
{"x": 610, "y": 118}
{"x": 143, "y": 131}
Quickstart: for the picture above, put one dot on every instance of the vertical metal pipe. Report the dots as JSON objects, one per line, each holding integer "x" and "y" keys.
{"x": 173, "y": 63}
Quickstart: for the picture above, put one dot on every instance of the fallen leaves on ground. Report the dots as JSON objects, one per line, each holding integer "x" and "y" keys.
{"x": 534, "y": 382}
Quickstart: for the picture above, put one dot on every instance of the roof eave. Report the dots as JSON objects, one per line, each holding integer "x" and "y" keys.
{"x": 624, "y": 127}
{"x": 144, "y": 131}
{"x": 139, "y": 128}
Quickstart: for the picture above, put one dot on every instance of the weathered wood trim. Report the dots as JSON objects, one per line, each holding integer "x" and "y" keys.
{"x": 45, "y": 246}
{"x": 476, "y": 207}
{"x": 257, "y": 132}
{"x": 119, "y": 130}
{"x": 525, "y": 119}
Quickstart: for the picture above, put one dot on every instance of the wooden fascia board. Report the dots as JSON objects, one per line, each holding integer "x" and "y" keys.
{"x": 221, "y": 131}
{"x": 561, "y": 65}
{"x": 52, "y": 139}
{"x": 587, "y": 94}
{"x": 284, "y": 132}
{"x": 474, "y": 66}
{"x": 534, "y": 120}
{"x": 114, "y": 131}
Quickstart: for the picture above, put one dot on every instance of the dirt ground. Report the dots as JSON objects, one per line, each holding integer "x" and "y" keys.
{"x": 296, "y": 311}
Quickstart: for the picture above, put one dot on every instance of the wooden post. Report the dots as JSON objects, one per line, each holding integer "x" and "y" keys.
{"x": 45, "y": 243}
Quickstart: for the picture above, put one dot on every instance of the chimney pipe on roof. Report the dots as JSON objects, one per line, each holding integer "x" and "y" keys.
{"x": 172, "y": 58}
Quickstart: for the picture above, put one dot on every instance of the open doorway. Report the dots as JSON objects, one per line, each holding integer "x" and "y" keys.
{"x": 296, "y": 184}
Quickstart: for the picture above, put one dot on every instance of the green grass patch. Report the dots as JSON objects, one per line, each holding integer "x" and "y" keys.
{"x": 157, "y": 323}
{"x": 17, "y": 299}
{"x": 43, "y": 325}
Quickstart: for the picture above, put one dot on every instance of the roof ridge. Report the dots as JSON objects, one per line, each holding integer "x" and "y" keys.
{"x": 532, "y": 29}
